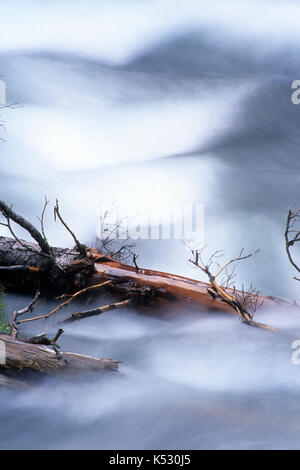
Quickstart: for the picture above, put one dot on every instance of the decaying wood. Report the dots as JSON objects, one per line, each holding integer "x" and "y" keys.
{"x": 166, "y": 285}
{"x": 22, "y": 267}
{"x": 74, "y": 270}
{"x": 103, "y": 268}
{"x": 24, "y": 357}
{"x": 45, "y": 268}
{"x": 37, "y": 265}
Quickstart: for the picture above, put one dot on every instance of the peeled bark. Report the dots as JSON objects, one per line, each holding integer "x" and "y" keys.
{"x": 167, "y": 286}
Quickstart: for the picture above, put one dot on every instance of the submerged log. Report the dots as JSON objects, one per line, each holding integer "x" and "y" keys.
{"x": 21, "y": 358}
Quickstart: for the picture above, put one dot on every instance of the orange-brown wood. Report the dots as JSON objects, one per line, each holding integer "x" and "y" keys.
{"x": 165, "y": 284}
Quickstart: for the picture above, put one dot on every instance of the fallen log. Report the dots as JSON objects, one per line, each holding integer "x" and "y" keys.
{"x": 41, "y": 267}
{"x": 37, "y": 266}
{"x": 166, "y": 285}
{"x": 97, "y": 268}
{"x": 22, "y": 357}
{"x": 23, "y": 266}
{"x": 35, "y": 272}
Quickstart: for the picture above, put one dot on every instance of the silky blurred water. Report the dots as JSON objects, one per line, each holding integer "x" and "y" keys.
{"x": 156, "y": 103}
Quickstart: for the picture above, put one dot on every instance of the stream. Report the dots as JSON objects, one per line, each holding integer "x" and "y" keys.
{"x": 142, "y": 101}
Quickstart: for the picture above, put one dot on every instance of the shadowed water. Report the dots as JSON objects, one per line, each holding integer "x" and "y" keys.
{"x": 198, "y": 381}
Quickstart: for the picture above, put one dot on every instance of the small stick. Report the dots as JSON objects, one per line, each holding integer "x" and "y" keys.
{"x": 29, "y": 308}
{"x": 97, "y": 311}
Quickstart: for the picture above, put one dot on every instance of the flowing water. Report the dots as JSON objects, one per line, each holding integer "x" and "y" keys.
{"x": 151, "y": 102}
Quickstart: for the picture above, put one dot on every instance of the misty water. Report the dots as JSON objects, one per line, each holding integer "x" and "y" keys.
{"x": 155, "y": 103}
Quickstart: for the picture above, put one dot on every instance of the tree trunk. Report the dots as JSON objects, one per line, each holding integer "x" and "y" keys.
{"x": 24, "y": 269}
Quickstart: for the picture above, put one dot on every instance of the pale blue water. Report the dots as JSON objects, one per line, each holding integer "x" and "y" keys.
{"x": 156, "y": 103}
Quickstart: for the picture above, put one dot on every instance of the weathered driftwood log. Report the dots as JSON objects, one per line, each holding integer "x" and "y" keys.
{"x": 18, "y": 358}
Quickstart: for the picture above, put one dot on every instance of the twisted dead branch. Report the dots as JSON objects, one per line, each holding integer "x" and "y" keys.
{"x": 244, "y": 302}
{"x": 292, "y": 235}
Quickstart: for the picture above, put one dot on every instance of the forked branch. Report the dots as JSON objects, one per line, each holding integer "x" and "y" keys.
{"x": 244, "y": 302}
{"x": 9, "y": 214}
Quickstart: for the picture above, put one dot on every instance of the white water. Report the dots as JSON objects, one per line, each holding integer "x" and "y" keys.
{"x": 156, "y": 103}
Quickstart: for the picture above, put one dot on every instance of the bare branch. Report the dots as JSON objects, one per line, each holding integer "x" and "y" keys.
{"x": 245, "y": 303}
{"x": 36, "y": 235}
{"x": 97, "y": 311}
{"x": 81, "y": 248}
{"x": 292, "y": 235}
{"x": 64, "y": 304}
{"x": 135, "y": 257}
{"x": 21, "y": 242}
{"x": 250, "y": 299}
{"x": 240, "y": 257}
{"x": 17, "y": 313}
{"x": 41, "y": 219}
{"x": 34, "y": 303}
